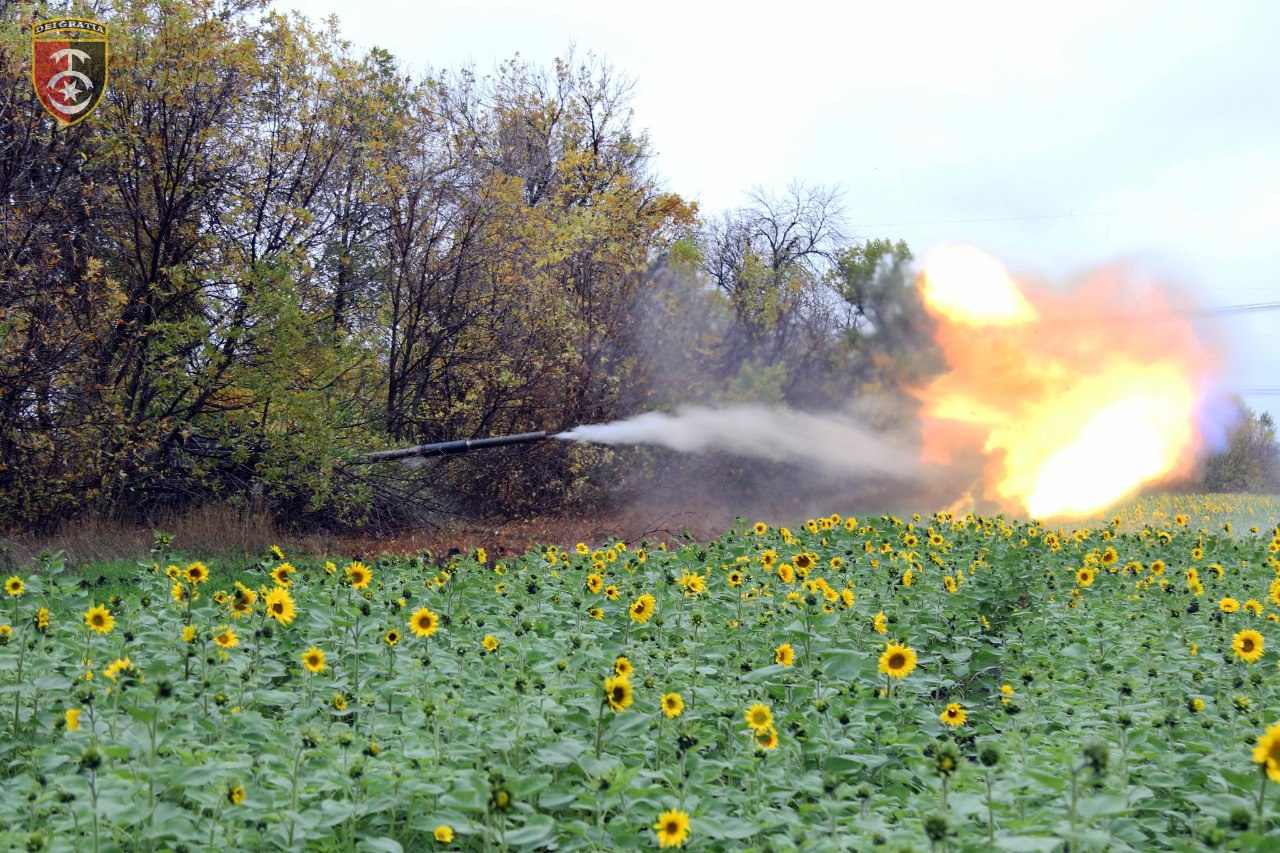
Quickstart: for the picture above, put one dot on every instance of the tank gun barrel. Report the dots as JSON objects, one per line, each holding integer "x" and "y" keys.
{"x": 451, "y": 448}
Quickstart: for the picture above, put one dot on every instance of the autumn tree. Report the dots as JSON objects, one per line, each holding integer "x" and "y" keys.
{"x": 1251, "y": 460}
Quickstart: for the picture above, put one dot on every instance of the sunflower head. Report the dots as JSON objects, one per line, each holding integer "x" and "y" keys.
{"x": 359, "y": 574}
{"x": 1247, "y": 645}
{"x": 14, "y": 586}
{"x": 313, "y": 660}
{"x": 759, "y": 717}
{"x": 99, "y": 620}
{"x": 617, "y": 693}
{"x": 767, "y": 739}
{"x": 1267, "y": 752}
{"x": 672, "y": 828}
{"x": 424, "y": 623}
{"x": 642, "y": 608}
{"x": 280, "y": 605}
{"x": 897, "y": 660}
{"x": 672, "y": 705}
{"x": 954, "y": 715}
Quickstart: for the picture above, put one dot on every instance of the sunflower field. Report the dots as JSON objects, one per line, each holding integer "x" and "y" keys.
{"x": 943, "y": 682}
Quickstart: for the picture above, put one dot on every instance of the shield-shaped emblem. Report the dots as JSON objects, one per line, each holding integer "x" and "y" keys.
{"x": 69, "y": 66}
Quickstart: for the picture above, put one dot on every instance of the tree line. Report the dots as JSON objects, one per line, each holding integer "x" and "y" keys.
{"x": 265, "y": 253}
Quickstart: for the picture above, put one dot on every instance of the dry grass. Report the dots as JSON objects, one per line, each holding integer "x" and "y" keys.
{"x": 212, "y": 530}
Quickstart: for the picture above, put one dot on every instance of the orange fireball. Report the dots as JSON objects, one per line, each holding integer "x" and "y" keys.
{"x": 1075, "y": 399}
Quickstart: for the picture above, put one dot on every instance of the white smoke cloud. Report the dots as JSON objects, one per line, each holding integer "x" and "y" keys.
{"x": 831, "y": 444}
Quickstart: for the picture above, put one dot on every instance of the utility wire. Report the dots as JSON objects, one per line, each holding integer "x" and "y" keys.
{"x": 1085, "y": 215}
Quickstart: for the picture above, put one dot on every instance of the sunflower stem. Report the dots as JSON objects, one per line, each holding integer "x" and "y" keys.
{"x": 600, "y": 728}
{"x": 991, "y": 814}
{"x": 1262, "y": 791}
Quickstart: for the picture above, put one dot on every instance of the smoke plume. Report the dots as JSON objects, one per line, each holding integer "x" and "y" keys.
{"x": 829, "y": 444}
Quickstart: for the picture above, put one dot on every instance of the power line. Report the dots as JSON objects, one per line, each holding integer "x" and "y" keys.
{"x": 1085, "y": 215}
{"x": 1252, "y": 308}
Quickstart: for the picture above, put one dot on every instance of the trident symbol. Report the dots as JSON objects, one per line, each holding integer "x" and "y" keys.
{"x": 69, "y": 88}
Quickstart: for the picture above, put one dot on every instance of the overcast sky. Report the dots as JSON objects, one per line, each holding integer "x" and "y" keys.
{"x": 1056, "y": 136}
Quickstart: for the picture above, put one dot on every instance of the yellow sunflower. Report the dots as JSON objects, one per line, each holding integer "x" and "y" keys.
{"x": 119, "y": 667}
{"x": 767, "y": 739}
{"x": 14, "y": 586}
{"x": 1228, "y": 605}
{"x": 393, "y": 637}
{"x": 359, "y": 574}
{"x": 759, "y": 717}
{"x": 617, "y": 692}
{"x": 622, "y": 666}
{"x": 197, "y": 573}
{"x": 313, "y": 660}
{"x": 1267, "y": 752}
{"x": 672, "y": 828}
{"x": 954, "y": 715}
{"x": 242, "y": 604}
{"x": 280, "y": 605}
{"x": 1248, "y": 645}
{"x": 880, "y": 624}
{"x": 784, "y": 655}
{"x": 1084, "y": 577}
{"x": 595, "y": 583}
{"x": 280, "y": 574}
{"x": 99, "y": 619}
{"x": 672, "y": 705}
{"x": 897, "y": 660}
{"x": 226, "y": 637}
{"x": 490, "y": 643}
{"x": 642, "y": 608}
{"x": 424, "y": 623}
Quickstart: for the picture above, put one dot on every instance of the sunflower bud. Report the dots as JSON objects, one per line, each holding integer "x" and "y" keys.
{"x": 91, "y": 758}
{"x": 1095, "y": 756}
{"x": 937, "y": 828}
{"x": 946, "y": 758}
